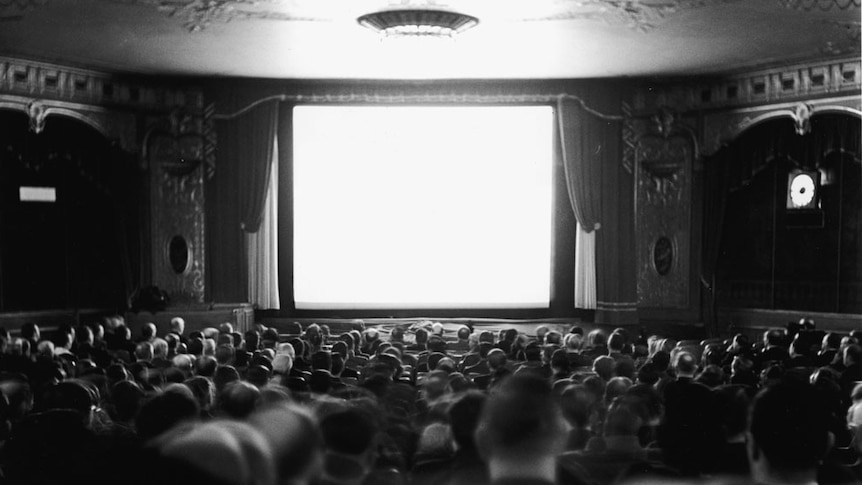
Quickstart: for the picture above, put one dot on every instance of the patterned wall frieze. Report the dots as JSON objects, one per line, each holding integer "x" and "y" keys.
{"x": 768, "y": 86}
{"x": 52, "y": 82}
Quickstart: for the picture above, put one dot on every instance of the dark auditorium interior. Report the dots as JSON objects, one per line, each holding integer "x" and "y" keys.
{"x": 410, "y": 242}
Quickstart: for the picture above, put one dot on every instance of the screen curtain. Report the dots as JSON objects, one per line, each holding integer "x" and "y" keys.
{"x": 578, "y": 137}
{"x": 262, "y": 247}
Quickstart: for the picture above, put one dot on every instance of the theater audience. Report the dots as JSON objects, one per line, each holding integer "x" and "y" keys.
{"x": 306, "y": 406}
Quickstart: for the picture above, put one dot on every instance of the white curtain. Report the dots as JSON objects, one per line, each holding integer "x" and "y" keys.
{"x": 585, "y": 269}
{"x": 262, "y": 248}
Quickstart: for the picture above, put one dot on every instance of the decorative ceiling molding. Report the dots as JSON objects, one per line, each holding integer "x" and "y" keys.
{"x": 638, "y": 15}
{"x": 200, "y": 14}
{"x": 821, "y": 5}
{"x": 15, "y": 9}
{"x": 196, "y": 15}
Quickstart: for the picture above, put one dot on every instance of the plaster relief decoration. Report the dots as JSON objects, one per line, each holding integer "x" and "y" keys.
{"x": 821, "y": 5}
{"x": 174, "y": 154}
{"x": 664, "y": 157}
{"x": 197, "y": 15}
{"x": 638, "y": 15}
{"x": 15, "y": 9}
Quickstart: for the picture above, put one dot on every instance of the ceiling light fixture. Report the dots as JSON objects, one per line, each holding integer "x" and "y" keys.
{"x": 407, "y": 20}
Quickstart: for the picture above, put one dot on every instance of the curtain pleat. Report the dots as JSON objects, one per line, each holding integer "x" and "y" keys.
{"x": 580, "y": 135}
{"x": 585, "y": 269}
{"x": 262, "y": 247}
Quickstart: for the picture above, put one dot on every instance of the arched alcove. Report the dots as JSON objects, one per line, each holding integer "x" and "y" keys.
{"x": 69, "y": 228}
{"x": 769, "y": 254}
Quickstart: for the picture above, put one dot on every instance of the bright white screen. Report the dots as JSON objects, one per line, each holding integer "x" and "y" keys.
{"x": 422, "y": 207}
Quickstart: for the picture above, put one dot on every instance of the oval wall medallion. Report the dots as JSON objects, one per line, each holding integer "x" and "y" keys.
{"x": 662, "y": 255}
{"x": 178, "y": 254}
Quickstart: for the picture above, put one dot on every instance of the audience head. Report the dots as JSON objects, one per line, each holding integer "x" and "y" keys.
{"x": 239, "y": 399}
{"x": 616, "y": 387}
{"x": 295, "y": 438}
{"x": 597, "y": 338}
{"x": 219, "y": 451}
{"x": 685, "y": 365}
{"x": 396, "y": 334}
{"x": 773, "y": 337}
{"x": 30, "y": 331}
{"x": 178, "y": 325}
{"x": 163, "y": 411}
{"x": 553, "y": 338}
{"x": 144, "y": 351}
{"x": 148, "y": 332}
{"x": 616, "y": 342}
{"x": 224, "y": 375}
{"x": 603, "y": 366}
{"x": 205, "y": 366}
{"x": 127, "y": 398}
{"x": 788, "y": 433}
{"x": 852, "y": 355}
{"x": 521, "y": 422}
{"x": 436, "y": 343}
{"x": 623, "y": 418}
{"x": 497, "y": 359}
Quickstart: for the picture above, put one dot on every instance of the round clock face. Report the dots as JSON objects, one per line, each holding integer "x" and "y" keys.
{"x": 802, "y": 190}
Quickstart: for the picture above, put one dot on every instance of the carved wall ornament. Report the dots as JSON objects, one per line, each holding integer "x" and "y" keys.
{"x": 37, "y": 112}
{"x": 661, "y": 182}
{"x": 663, "y": 255}
{"x": 802, "y": 118}
{"x": 174, "y": 153}
{"x": 663, "y": 155}
{"x": 664, "y": 121}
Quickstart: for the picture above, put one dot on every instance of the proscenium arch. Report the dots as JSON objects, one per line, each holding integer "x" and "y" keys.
{"x": 80, "y": 113}
{"x": 787, "y": 112}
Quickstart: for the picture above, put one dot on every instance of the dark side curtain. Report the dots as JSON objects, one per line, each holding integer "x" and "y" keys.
{"x": 716, "y": 186}
{"x": 581, "y": 144}
{"x": 601, "y": 192}
{"x": 237, "y": 193}
{"x": 736, "y": 164}
{"x": 253, "y": 135}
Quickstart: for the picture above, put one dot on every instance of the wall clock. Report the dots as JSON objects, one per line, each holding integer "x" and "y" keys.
{"x": 802, "y": 187}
